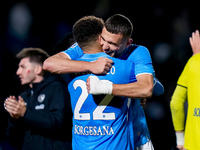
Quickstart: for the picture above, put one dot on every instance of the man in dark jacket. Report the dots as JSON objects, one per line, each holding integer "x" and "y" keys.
{"x": 41, "y": 117}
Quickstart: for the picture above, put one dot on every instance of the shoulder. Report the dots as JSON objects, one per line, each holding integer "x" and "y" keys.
{"x": 192, "y": 63}
{"x": 142, "y": 50}
{"x": 140, "y": 53}
{"x": 194, "y": 59}
{"x": 134, "y": 50}
{"x": 74, "y": 52}
{"x": 135, "y": 47}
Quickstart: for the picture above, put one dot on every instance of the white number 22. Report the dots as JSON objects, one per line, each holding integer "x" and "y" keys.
{"x": 98, "y": 112}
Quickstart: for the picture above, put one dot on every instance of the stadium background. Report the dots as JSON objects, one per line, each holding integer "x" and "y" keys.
{"x": 163, "y": 27}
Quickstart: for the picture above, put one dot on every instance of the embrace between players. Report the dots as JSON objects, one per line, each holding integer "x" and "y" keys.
{"x": 106, "y": 100}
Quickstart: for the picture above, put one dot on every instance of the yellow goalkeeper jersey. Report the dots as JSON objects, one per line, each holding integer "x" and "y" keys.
{"x": 188, "y": 87}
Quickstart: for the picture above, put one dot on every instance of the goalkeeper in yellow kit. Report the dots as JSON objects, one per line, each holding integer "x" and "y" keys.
{"x": 188, "y": 87}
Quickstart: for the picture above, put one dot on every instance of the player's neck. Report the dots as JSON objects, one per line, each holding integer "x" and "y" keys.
{"x": 92, "y": 49}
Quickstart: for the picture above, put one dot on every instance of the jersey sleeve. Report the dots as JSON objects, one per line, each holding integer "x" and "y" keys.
{"x": 74, "y": 52}
{"x": 178, "y": 99}
{"x": 141, "y": 57}
{"x": 158, "y": 88}
{"x": 177, "y": 107}
{"x": 142, "y": 60}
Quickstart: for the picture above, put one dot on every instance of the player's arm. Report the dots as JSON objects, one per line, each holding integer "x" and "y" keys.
{"x": 141, "y": 89}
{"x": 61, "y": 63}
{"x": 178, "y": 113}
{"x": 177, "y": 107}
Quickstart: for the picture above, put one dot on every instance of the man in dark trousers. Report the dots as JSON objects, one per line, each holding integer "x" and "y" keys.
{"x": 40, "y": 118}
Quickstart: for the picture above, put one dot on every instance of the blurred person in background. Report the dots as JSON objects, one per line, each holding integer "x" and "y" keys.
{"x": 40, "y": 118}
{"x": 188, "y": 88}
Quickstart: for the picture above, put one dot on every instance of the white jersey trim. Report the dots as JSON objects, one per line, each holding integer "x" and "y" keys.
{"x": 67, "y": 55}
{"x": 143, "y": 73}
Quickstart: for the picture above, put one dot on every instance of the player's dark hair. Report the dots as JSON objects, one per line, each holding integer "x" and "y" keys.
{"x": 119, "y": 24}
{"x": 87, "y": 30}
{"x": 36, "y": 55}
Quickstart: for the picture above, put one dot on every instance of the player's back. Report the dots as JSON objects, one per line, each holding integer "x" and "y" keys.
{"x": 100, "y": 121}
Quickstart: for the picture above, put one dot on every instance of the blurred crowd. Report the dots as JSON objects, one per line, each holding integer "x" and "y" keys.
{"x": 164, "y": 28}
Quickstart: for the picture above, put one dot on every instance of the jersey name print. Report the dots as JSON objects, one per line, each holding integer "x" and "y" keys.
{"x": 93, "y": 130}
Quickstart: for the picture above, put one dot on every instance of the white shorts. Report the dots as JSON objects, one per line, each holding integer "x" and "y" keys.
{"x": 147, "y": 146}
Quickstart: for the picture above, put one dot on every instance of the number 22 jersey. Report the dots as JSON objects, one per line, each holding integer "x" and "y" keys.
{"x": 100, "y": 121}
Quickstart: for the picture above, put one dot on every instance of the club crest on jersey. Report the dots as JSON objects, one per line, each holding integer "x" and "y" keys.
{"x": 41, "y": 98}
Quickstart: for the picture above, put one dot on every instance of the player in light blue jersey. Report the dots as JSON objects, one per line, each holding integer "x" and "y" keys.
{"x": 99, "y": 121}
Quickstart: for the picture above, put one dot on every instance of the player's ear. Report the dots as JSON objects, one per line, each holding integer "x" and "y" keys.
{"x": 99, "y": 38}
{"x": 129, "y": 42}
{"x": 39, "y": 69}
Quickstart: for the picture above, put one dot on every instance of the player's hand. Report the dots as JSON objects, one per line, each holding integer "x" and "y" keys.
{"x": 195, "y": 42}
{"x": 15, "y": 108}
{"x": 96, "y": 86}
{"x": 101, "y": 65}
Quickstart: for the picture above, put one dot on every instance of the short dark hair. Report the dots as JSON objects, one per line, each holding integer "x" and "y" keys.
{"x": 87, "y": 29}
{"x": 119, "y": 24}
{"x": 36, "y": 55}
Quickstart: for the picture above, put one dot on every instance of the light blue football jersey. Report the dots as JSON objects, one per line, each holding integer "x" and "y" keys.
{"x": 100, "y": 121}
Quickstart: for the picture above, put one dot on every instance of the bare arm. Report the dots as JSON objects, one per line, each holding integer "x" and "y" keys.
{"x": 60, "y": 63}
{"x": 141, "y": 89}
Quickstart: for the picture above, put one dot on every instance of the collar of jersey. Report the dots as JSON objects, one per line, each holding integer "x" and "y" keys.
{"x": 101, "y": 54}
